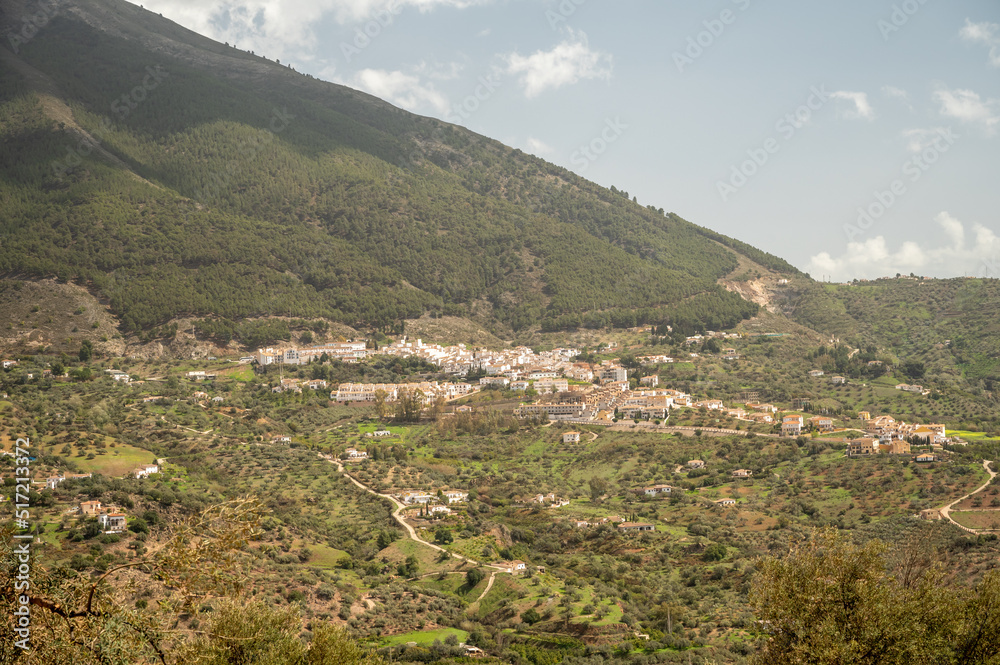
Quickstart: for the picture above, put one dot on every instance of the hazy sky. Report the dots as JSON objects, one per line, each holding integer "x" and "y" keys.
{"x": 856, "y": 138}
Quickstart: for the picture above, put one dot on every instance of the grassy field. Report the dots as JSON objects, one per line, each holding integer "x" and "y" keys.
{"x": 244, "y": 373}
{"x": 326, "y": 557}
{"x": 116, "y": 461}
{"x": 981, "y": 519}
{"x": 454, "y": 583}
{"x": 425, "y": 637}
{"x": 978, "y": 437}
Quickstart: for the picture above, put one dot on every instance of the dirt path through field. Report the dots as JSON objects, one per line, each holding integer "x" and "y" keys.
{"x": 409, "y": 529}
{"x": 946, "y": 511}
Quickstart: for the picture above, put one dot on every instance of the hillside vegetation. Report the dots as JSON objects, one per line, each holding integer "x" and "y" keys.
{"x": 237, "y": 187}
{"x": 948, "y": 330}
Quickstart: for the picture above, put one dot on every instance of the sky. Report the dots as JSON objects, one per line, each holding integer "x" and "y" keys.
{"x": 855, "y": 139}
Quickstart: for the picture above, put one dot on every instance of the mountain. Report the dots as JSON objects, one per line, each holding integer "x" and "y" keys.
{"x": 173, "y": 176}
{"x": 946, "y": 329}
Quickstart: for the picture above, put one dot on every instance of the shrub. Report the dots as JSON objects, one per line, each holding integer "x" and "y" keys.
{"x": 715, "y": 552}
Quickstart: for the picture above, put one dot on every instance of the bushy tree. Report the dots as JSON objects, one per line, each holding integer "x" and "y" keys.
{"x": 474, "y": 577}
{"x": 531, "y": 616}
{"x": 832, "y": 601}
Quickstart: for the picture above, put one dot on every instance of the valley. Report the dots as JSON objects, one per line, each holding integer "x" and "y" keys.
{"x": 460, "y": 530}
{"x": 293, "y": 376}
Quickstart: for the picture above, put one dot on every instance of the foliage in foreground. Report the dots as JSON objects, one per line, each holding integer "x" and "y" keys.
{"x": 80, "y": 620}
{"x": 831, "y": 601}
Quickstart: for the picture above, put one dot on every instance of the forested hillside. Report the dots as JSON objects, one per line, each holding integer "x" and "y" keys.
{"x": 225, "y": 184}
{"x": 947, "y": 330}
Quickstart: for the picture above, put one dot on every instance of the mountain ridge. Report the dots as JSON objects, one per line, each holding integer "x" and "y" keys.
{"x": 269, "y": 192}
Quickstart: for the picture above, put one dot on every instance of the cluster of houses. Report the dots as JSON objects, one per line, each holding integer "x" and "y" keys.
{"x": 516, "y": 363}
{"x": 54, "y": 481}
{"x": 886, "y": 435}
{"x": 613, "y": 395}
{"x": 653, "y": 490}
{"x": 549, "y": 500}
{"x": 793, "y": 424}
{"x": 344, "y": 351}
{"x": 621, "y": 524}
{"x": 110, "y": 518}
{"x": 433, "y": 503}
{"x": 515, "y": 567}
{"x": 296, "y": 385}
{"x": 840, "y": 380}
{"x": 613, "y": 519}
{"x": 835, "y": 380}
{"x": 613, "y": 398}
{"x": 141, "y": 471}
{"x": 198, "y": 396}
{"x": 120, "y": 377}
{"x": 430, "y": 391}
{"x": 887, "y": 428}
{"x": 519, "y": 362}
{"x": 626, "y": 527}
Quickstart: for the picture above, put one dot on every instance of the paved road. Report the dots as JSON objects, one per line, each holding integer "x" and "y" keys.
{"x": 409, "y": 529}
{"x": 946, "y": 511}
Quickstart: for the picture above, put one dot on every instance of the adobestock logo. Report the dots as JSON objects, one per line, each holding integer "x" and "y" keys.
{"x": 714, "y": 29}
{"x": 564, "y": 10}
{"x": 31, "y": 24}
{"x": 365, "y": 34}
{"x": 900, "y": 16}
{"x": 122, "y": 106}
{"x": 786, "y": 126}
{"x": 587, "y": 154}
{"x": 914, "y": 169}
{"x": 487, "y": 86}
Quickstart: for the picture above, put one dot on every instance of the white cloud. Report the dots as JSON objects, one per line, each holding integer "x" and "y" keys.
{"x": 967, "y": 106}
{"x": 567, "y": 63}
{"x": 984, "y": 33}
{"x": 917, "y": 140}
{"x": 872, "y": 258}
{"x": 283, "y": 29}
{"x": 953, "y": 229}
{"x": 897, "y": 93}
{"x": 862, "y": 108}
{"x": 538, "y": 147}
{"x": 402, "y": 89}
{"x": 440, "y": 71}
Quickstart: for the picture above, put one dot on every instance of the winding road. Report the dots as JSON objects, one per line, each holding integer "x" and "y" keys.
{"x": 946, "y": 511}
{"x": 409, "y": 529}
{"x": 489, "y": 585}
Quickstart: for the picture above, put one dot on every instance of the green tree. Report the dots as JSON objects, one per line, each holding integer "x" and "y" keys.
{"x": 832, "y": 601}
{"x": 598, "y": 486}
{"x": 409, "y": 568}
{"x": 380, "y": 407}
{"x": 89, "y": 620}
{"x": 255, "y": 632}
{"x": 409, "y": 405}
{"x": 474, "y": 577}
{"x": 332, "y": 645}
